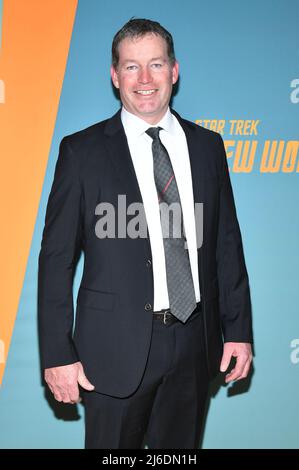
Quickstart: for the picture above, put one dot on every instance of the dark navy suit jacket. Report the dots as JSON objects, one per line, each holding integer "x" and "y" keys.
{"x": 113, "y": 325}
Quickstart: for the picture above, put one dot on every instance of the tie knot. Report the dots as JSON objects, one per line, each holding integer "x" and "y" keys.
{"x": 153, "y": 132}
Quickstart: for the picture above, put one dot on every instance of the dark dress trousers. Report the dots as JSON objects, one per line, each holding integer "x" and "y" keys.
{"x": 114, "y": 310}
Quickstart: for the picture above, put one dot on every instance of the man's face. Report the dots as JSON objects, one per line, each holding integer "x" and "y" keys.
{"x": 145, "y": 76}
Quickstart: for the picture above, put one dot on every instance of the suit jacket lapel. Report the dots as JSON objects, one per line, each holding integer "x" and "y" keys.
{"x": 118, "y": 148}
{"x": 120, "y": 156}
{"x": 196, "y": 154}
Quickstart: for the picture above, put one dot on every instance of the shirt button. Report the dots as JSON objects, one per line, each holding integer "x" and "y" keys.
{"x": 147, "y": 307}
{"x": 148, "y": 263}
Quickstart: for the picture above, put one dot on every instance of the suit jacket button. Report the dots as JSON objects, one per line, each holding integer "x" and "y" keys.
{"x": 148, "y": 263}
{"x": 147, "y": 307}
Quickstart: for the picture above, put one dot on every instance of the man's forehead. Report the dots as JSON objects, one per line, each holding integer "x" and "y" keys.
{"x": 142, "y": 48}
{"x": 139, "y": 41}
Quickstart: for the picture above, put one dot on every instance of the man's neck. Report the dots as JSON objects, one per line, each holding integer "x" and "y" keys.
{"x": 152, "y": 121}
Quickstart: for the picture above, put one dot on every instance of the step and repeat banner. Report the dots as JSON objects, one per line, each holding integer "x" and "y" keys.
{"x": 239, "y": 76}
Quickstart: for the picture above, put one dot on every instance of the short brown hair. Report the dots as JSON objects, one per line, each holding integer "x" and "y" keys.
{"x": 138, "y": 27}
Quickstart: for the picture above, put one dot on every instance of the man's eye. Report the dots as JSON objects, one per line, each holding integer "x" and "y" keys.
{"x": 131, "y": 67}
{"x": 156, "y": 66}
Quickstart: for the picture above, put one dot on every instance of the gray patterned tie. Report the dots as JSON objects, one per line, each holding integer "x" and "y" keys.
{"x": 178, "y": 270}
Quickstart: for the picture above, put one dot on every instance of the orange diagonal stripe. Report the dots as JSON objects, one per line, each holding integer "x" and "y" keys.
{"x": 35, "y": 43}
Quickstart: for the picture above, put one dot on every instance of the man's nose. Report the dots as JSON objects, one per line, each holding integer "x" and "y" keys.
{"x": 145, "y": 75}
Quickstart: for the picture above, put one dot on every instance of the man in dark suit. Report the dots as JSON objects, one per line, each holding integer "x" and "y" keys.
{"x": 152, "y": 311}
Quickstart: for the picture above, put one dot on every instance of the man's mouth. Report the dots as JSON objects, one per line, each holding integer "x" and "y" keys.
{"x": 145, "y": 92}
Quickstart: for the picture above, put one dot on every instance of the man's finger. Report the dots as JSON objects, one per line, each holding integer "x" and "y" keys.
{"x": 238, "y": 372}
{"x": 225, "y": 360}
{"x": 75, "y": 401}
{"x": 246, "y": 370}
{"x": 233, "y": 375}
{"x": 74, "y": 396}
{"x": 57, "y": 397}
{"x": 84, "y": 382}
{"x": 64, "y": 395}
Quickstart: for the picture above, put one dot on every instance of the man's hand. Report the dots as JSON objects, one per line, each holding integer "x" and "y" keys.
{"x": 63, "y": 382}
{"x": 243, "y": 353}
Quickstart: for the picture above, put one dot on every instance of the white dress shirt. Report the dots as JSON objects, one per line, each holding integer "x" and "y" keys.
{"x": 140, "y": 145}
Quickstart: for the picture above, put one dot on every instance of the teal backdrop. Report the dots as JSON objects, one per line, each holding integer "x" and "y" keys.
{"x": 238, "y": 61}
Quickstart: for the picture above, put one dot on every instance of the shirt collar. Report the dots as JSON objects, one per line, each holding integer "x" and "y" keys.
{"x": 135, "y": 127}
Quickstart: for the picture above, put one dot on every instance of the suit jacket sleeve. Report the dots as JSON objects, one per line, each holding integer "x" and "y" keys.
{"x": 59, "y": 252}
{"x": 234, "y": 295}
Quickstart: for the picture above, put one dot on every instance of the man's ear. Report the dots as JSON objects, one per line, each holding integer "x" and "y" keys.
{"x": 114, "y": 76}
{"x": 175, "y": 72}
